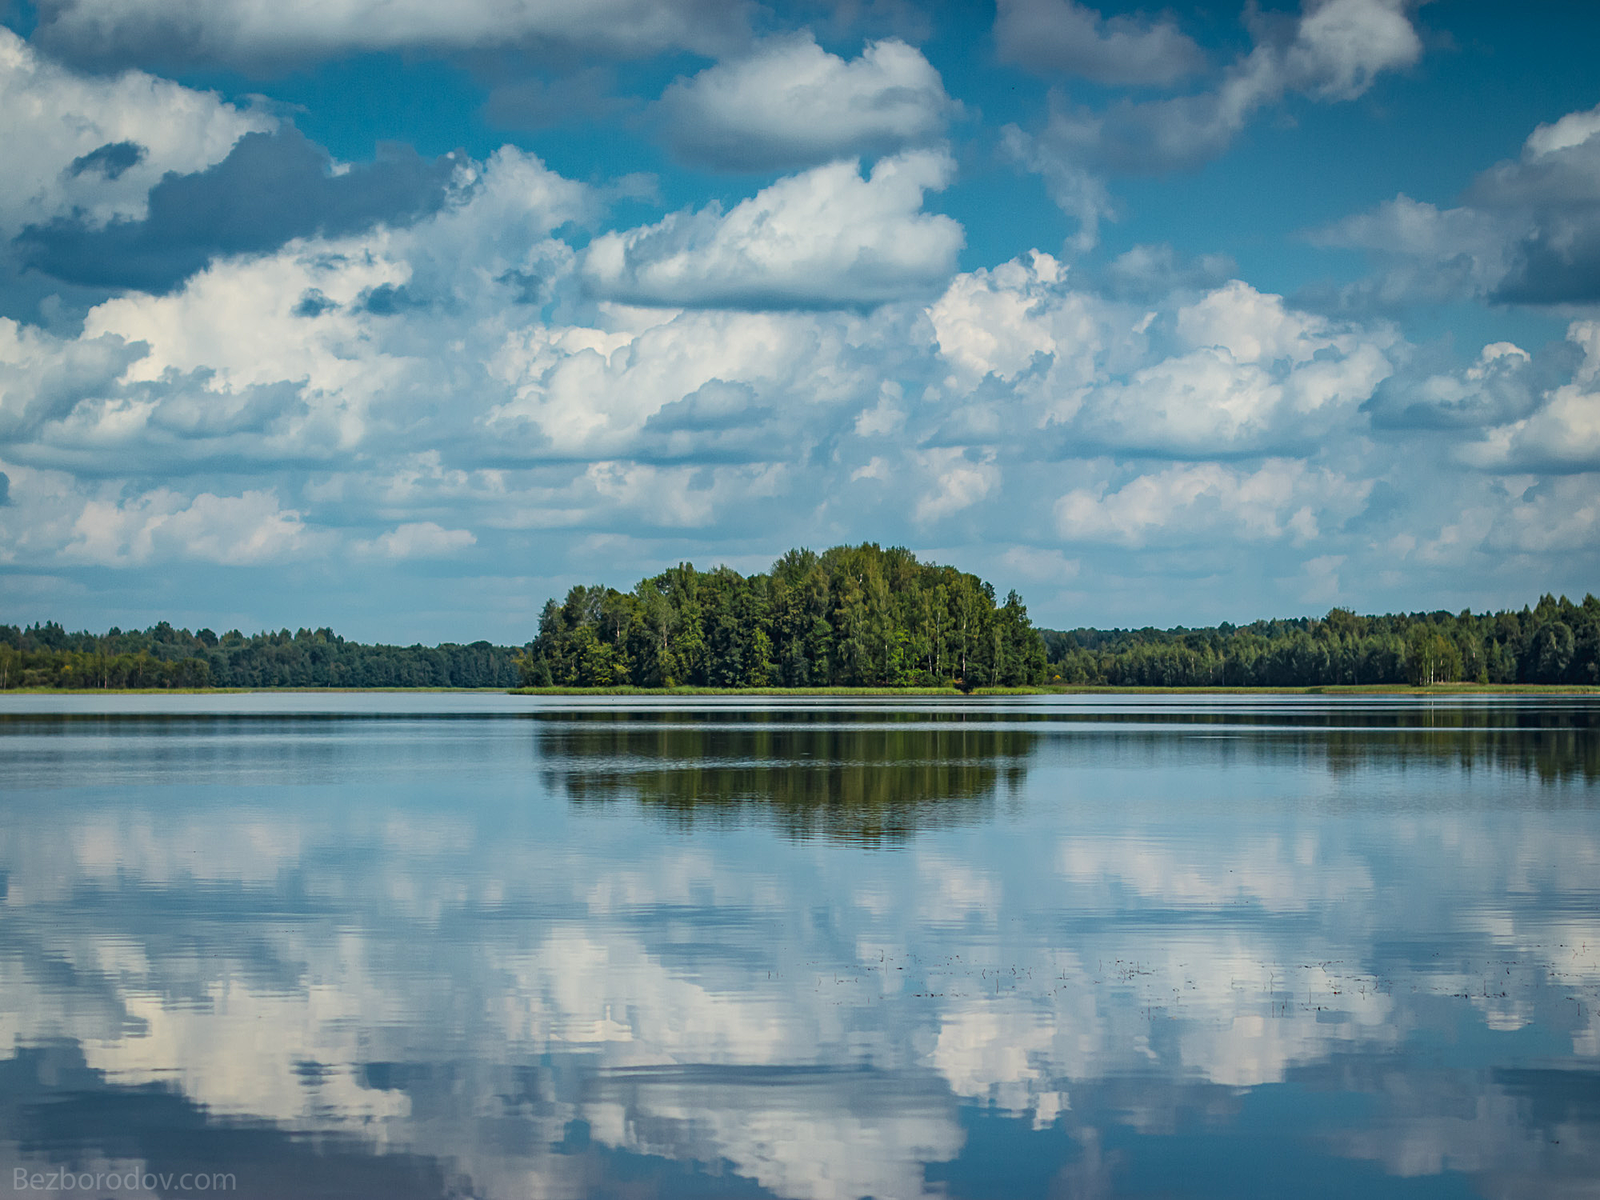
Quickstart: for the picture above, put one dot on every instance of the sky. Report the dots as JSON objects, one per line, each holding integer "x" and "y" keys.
{"x": 402, "y": 317}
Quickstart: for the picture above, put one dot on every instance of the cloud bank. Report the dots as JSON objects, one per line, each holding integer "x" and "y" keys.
{"x": 224, "y": 350}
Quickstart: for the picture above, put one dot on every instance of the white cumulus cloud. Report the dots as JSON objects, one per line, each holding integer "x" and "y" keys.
{"x": 1526, "y": 231}
{"x": 826, "y": 237}
{"x": 1259, "y": 376}
{"x": 163, "y": 526}
{"x": 1280, "y": 499}
{"x": 1563, "y": 434}
{"x": 418, "y": 539}
{"x": 92, "y": 146}
{"x": 790, "y": 103}
{"x": 957, "y": 482}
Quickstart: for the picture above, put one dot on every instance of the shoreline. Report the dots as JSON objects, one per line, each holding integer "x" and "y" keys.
{"x": 1329, "y": 689}
{"x": 1372, "y": 689}
{"x": 236, "y": 691}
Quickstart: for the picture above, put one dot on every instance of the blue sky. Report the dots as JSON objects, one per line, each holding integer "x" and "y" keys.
{"x": 402, "y": 317}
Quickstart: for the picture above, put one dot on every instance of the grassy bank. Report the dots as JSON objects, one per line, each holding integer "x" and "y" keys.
{"x": 1375, "y": 689}
{"x": 1338, "y": 689}
{"x": 775, "y": 691}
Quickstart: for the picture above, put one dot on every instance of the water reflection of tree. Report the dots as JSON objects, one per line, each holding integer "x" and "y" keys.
{"x": 879, "y": 777}
{"x": 1550, "y": 755}
{"x": 1551, "y": 742}
{"x": 852, "y": 777}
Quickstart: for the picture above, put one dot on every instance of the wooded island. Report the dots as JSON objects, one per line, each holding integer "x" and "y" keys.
{"x": 852, "y": 616}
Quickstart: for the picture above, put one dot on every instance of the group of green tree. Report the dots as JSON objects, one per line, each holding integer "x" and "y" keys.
{"x": 46, "y": 655}
{"x": 1554, "y": 642}
{"x": 851, "y": 616}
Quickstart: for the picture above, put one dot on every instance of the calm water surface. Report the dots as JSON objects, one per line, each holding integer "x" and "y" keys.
{"x": 492, "y": 946}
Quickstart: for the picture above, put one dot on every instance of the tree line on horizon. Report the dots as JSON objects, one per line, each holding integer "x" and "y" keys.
{"x": 46, "y": 655}
{"x": 1554, "y": 642}
{"x": 850, "y": 616}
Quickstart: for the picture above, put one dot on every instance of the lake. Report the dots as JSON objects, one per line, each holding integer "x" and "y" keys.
{"x": 429, "y": 945}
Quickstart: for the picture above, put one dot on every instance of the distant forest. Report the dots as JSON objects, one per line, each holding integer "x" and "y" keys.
{"x": 163, "y": 657}
{"x": 850, "y": 616}
{"x": 1554, "y": 642}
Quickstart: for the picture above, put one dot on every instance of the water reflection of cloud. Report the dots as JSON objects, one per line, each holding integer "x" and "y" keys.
{"x": 1521, "y": 1132}
{"x": 813, "y": 1017}
{"x": 1282, "y": 874}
